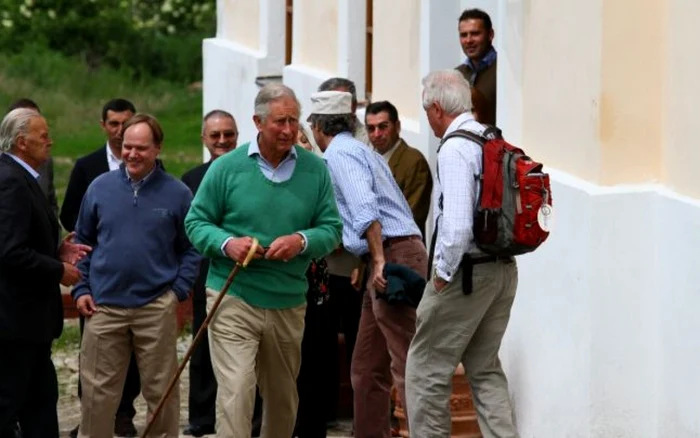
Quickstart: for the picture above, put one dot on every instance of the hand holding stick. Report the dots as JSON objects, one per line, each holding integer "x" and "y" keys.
{"x": 251, "y": 253}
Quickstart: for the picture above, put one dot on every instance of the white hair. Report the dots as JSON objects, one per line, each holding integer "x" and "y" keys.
{"x": 270, "y": 93}
{"x": 449, "y": 89}
{"x": 16, "y": 122}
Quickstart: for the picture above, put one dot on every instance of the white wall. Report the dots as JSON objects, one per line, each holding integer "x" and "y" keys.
{"x": 603, "y": 335}
{"x": 678, "y": 299}
{"x": 231, "y": 67}
{"x": 602, "y": 339}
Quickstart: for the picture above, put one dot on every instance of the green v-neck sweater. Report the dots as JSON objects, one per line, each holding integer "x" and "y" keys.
{"x": 235, "y": 199}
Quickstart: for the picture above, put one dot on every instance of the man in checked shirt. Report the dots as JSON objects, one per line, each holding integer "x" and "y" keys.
{"x": 454, "y": 324}
{"x": 378, "y": 226}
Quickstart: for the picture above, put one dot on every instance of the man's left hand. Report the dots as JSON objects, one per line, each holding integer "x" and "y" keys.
{"x": 71, "y": 252}
{"x": 377, "y": 279}
{"x": 285, "y": 248}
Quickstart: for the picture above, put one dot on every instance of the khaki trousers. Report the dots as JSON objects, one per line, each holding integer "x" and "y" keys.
{"x": 383, "y": 338}
{"x": 109, "y": 338}
{"x": 248, "y": 345}
{"x": 453, "y": 328}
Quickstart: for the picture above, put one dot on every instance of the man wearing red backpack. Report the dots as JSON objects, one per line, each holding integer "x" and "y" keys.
{"x": 466, "y": 305}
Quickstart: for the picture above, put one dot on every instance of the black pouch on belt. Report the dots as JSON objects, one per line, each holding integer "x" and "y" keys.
{"x": 467, "y": 271}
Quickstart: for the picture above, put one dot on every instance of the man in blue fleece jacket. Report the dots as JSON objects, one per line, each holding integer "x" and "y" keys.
{"x": 141, "y": 265}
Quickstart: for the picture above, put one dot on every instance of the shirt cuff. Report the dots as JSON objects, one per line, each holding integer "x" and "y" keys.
{"x": 305, "y": 243}
{"x": 444, "y": 272}
{"x": 223, "y": 246}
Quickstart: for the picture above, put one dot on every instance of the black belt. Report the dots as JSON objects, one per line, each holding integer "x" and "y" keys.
{"x": 491, "y": 259}
{"x": 467, "y": 266}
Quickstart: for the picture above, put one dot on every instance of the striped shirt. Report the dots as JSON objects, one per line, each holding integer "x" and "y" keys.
{"x": 458, "y": 162}
{"x": 366, "y": 191}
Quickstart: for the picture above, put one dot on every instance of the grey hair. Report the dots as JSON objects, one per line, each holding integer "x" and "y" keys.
{"x": 333, "y": 84}
{"x": 216, "y": 113}
{"x": 270, "y": 93}
{"x": 333, "y": 124}
{"x": 15, "y": 123}
{"x": 449, "y": 89}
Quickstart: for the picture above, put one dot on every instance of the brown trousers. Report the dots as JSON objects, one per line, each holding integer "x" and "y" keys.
{"x": 385, "y": 333}
{"x": 108, "y": 340}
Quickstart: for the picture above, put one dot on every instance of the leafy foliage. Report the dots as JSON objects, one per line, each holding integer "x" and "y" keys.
{"x": 147, "y": 38}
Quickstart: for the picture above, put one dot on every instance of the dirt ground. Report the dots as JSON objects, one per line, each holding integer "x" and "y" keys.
{"x": 66, "y": 362}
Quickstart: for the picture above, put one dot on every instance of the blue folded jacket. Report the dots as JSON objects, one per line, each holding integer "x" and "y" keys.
{"x": 404, "y": 285}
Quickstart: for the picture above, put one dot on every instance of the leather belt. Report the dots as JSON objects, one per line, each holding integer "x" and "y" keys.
{"x": 394, "y": 240}
{"x": 491, "y": 259}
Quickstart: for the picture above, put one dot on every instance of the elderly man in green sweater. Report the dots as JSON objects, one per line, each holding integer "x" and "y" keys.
{"x": 281, "y": 194}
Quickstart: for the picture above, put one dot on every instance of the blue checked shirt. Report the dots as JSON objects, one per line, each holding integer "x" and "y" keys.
{"x": 458, "y": 164}
{"x": 366, "y": 191}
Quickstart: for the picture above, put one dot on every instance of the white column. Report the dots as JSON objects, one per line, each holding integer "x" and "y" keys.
{"x": 272, "y": 37}
{"x": 510, "y": 29}
{"x": 439, "y": 41}
{"x": 352, "y": 38}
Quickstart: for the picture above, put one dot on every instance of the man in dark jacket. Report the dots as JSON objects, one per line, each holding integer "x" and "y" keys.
{"x": 32, "y": 264}
{"x": 219, "y": 135}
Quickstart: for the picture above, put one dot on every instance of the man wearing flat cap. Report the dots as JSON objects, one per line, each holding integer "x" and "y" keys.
{"x": 378, "y": 227}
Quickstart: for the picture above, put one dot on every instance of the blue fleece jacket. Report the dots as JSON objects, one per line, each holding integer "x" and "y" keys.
{"x": 137, "y": 233}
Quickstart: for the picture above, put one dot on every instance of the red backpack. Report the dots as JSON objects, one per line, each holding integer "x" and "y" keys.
{"x": 514, "y": 208}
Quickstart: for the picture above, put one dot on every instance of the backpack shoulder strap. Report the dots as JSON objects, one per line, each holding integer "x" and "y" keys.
{"x": 490, "y": 133}
{"x": 463, "y": 133}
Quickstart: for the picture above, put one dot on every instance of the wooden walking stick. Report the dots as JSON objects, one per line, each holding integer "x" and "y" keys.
{"x": 200, "y": 333}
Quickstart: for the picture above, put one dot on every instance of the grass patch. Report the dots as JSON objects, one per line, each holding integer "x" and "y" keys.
{"x": 71, "y": 96}
{"x": 69, "y": 340}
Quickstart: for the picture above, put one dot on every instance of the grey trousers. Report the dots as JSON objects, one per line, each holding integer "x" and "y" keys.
{"x": 453, "y": 328}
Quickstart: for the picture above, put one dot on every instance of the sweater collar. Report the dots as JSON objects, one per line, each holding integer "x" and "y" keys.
{"x": 157, "y": 169}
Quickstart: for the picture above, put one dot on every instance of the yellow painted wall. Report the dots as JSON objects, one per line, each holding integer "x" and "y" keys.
{"x": 561, "y": 84}
{"x": 317, "y": 42}
{"x": 681, "y": 153}
{"x": 395, "y": 55}
{"x": 593, "y": 88}
{"x": 632, "y": 91}
{"x": 242, "y": 22}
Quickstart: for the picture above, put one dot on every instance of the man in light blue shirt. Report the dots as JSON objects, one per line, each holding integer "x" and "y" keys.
{"x": 378, "y": 226}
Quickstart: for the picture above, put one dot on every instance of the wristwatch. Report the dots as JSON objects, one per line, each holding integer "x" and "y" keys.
{"x": 302, "y": 241}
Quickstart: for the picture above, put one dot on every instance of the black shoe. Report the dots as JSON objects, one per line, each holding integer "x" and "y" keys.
{"x": 197, "y": 431}
{"x": 13, "y": 431}
{"x": 74, "y": 432}
{"x": 124, "y": 427}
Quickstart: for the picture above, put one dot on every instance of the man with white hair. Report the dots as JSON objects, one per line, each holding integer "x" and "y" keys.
{"x": 282, "y": 195}
{"x": 32, "y": 264}
{"x": 378, "y": 226}
{"x": 465, "y": 308}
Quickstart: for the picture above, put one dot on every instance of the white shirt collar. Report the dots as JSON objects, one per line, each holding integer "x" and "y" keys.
{"x": 112, "y": 161}
{"x": 254, "y": 148}
{"x": 458, "y": 121}
{"x": 387, "y": 155}
{"x": 26, "y": 166}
